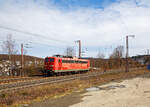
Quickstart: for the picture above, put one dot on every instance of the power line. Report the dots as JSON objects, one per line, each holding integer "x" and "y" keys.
{"x": 34, "y": 34}
{"x": 41, "y": 44}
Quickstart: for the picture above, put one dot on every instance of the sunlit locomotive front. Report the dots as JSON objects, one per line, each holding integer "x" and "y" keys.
{"x": 58, "y": 64}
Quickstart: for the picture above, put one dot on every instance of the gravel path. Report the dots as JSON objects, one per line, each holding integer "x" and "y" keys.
{"x": 129, "y": 93}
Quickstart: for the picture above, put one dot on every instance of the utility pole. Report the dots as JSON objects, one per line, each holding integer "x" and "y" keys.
{"x": 127, "y": 52}
{"x": 79, "y": 41}
{"x": 22, "y": 59}
{"x": 147, "y": 51}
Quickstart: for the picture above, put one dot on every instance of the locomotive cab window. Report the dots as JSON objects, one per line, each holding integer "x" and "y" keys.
{"x": 51, "y": 60}
{"x": 46, "y": 60}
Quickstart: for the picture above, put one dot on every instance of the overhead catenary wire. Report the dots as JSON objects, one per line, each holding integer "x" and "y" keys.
{"x": 35, "y": 43}
{"x": 34, "y": 34}
{"x": 46, "y": 41}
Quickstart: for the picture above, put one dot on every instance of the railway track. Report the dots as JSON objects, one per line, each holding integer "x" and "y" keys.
{"x": 2, "y": 81}
{"x": 50, "y": 80}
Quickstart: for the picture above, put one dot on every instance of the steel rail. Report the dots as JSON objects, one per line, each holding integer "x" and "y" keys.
{"x": 16, "y": 79}
{"x": 32, "y": 78}
{"x": 9, "y": 87}
{"x": 20, "y": 85}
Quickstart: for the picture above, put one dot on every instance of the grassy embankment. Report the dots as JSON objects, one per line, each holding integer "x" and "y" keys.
{"x": 57, "y": 90}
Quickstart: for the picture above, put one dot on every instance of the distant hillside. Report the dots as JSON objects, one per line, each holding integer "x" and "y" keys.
{"x": 113, "y": 63}
{"x": 11, "y": 65}
{"x": 95, "y": 62}
{"x": 17, "y": 59}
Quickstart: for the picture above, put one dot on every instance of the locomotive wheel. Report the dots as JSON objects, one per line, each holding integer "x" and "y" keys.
{"x": 50, "y": 73}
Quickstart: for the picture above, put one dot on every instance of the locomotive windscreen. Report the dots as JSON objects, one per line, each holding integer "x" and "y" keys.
{"x": 49, "y": 60}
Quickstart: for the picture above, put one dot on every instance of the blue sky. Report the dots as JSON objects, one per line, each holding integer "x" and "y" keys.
{"x": 68, "y": 3}
{"x": 101, "y": 25}
{"x": 63, "y": 4}
{"x": 83, "y": 3}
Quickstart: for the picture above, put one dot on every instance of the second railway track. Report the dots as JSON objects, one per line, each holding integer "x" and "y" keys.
{"x": 50, "y": 80}
{"x": 11, "y": 80}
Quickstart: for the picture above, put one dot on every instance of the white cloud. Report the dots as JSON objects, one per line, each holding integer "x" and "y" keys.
{"x": 95, "y": 27}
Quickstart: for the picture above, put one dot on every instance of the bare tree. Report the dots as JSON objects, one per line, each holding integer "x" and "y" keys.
{"x": 70, "y": 51}
{"x": 118, "y": 52}
{"x": 100, "y": 55}
{"x": 9, "y": 46}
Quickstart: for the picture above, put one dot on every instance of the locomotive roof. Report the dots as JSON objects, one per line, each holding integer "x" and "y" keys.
{"x": 69, "y": 58}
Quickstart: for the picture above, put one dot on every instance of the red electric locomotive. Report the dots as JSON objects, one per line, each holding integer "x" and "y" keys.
{"x": 57, "y": 64}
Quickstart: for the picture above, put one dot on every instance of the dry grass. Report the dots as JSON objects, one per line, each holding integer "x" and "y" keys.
{"x": 57, "y": 90}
